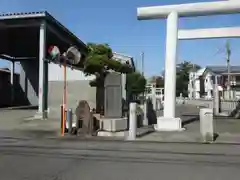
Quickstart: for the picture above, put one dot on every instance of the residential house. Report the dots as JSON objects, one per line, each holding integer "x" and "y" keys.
{"x": 156, "y": 82}
{"x": 201, "y": 82}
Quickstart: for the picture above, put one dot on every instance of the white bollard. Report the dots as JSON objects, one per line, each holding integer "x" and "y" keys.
{"x": 145, "y": 118}
{"x": 132, "y": 121}
{"x": 207, "y": 124}
{"x": 216, "y": 100}
{"x": 154, "y": 97}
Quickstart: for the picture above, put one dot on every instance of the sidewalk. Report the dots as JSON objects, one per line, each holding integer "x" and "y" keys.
{"x": 227, "y": 130}
{"x": 21, "y": 123}
{"x": 17, "y": 123}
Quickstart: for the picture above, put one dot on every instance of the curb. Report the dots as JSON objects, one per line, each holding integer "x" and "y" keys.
{"x": 57, "y": 136}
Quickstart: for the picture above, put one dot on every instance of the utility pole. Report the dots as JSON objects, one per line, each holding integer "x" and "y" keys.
{"x": 142, "y": 68}
{"x": 228, "y": 54}
{"x": 142, "y": 63}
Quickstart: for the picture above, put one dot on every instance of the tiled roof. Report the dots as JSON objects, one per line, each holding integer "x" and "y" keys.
{"x": 22, "y": 14}
{"x": 223, "y": 69}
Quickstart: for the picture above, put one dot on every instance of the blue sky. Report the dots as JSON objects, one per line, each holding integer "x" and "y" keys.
{"x": 115, "y": 22}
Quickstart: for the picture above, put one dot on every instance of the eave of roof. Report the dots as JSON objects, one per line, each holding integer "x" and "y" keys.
{"x": 45, "y": 16}
{"x": 223, "y": 69}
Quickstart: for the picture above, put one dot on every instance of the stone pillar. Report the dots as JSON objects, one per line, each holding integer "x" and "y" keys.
{"x": 12, "y": 81}
{"x": 216, "y": 100}
{"x": 132, "y": 121}
{"x": 170, "y": 65}
{"x": 145, "y": 118}
{"x": 43, "y": 73}
{"x": 206, "y": 125}
{"x": 124, "y": 93}
{"x": 154, "y": 96}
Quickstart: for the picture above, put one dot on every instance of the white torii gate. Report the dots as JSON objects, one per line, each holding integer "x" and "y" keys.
{"x": 172, "y": 12}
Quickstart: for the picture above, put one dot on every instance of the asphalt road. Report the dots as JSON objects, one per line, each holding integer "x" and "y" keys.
{"x": 54, "y": 159}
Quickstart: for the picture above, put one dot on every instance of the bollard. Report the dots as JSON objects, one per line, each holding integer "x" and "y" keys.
{"x": 69, "y": 120}
{"x": 216, "y": 101}
{"x": 206, "y": 125}
{"x": 154, "y": 97}
{"x": 132, "y": 121}
{"x": 61, "y": 109}
{"x": 145, "y": 118}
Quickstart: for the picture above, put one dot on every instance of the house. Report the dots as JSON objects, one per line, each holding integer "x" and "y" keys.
{"x": 156, "y": 82}
{"x": 201, "y": 82}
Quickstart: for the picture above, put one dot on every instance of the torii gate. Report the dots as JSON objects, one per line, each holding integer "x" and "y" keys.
{"x": 172, "y": 12}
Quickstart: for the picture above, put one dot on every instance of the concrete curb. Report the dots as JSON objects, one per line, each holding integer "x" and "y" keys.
{"x": 113, "y": 140}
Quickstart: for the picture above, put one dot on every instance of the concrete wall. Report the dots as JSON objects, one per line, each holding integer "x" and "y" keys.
{"x": 29, "y": 73}
{"x": 78, "y": 88}
{"x": 19, "y": 98}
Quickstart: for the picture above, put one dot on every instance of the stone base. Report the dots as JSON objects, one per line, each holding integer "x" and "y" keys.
{"x": 168, "y": 124}
{"x": 112, "y": 134}
{"x": 113, "y": 124}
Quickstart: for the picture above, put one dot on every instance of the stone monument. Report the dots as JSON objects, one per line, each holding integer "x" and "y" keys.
{"x": 84, "y": 118}
{"x": 113, "y": 120}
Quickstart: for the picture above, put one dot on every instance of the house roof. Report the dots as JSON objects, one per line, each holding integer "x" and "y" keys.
{"x": 124, "y": 58}
{"x": 19, "y": 34}
{"x": 201, "y": 71}
{"x": 223, "y": 69}
{"x": 154, "y": 79}
{"x": 40, "y": 15}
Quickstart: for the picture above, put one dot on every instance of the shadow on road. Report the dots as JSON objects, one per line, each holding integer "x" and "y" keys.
{"x": 188, "y": 119}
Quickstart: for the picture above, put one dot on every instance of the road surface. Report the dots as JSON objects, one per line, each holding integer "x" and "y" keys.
{"x": 55, "y": 159}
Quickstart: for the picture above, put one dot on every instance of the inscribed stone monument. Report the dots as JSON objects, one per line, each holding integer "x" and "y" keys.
{"x": 113, "y": 95}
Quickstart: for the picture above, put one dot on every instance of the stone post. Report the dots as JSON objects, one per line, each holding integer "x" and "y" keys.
{"x": 206, "y": 125}
{"x": 132, "y": 121}
{"x": 145, "y": 118}
{"x": 154, "y": 96}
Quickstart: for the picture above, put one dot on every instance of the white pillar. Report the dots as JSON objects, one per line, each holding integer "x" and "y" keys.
{"x": 154, "y": 97}
{"x": 132, "y": 121}
{"x": 124, "y": 93}
{"x": 42, "y": 70}
{"x": 12, "y": 81}
{"x": 216, "y": 99}
{"x": 170, "y": 65}
{"x": 145, "y": 117}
